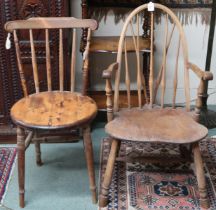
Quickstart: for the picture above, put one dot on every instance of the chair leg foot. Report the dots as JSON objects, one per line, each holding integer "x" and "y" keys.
{"x": 103, "y": 200}
{"x": 22, "y": 199}
{"x": 90, "y": 162}
{"x": 39, "y": 163}
{"x": 204, "y": 201}
{"x": 94, "y": 195}
{"x": 38, "y": 154}
{"x": 21, "y": 165}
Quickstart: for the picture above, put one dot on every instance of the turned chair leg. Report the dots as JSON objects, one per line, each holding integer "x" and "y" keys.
{"x": 204, "y": 202}
{"x": 103, "y": 199}
{"x": 38, "y": 153}
{"x": 90, "y": 161}
{"x": 21, "y": 164}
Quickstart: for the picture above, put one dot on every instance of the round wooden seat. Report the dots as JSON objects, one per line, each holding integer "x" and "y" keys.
{"x": 156, "y": 125}
{"x": 53, "y": 110}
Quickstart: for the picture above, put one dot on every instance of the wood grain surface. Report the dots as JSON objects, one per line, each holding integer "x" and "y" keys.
{"x": 52, "y": 110}
{"x": 110, "y": 44}
{"x": 156, "y": 125}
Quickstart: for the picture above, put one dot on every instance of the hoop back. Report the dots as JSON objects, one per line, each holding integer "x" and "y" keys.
{"x": 133, "y": 21}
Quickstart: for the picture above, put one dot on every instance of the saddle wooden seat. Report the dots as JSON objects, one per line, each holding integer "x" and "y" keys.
{"x": 156, "y": 125}
{"x": 52, "y": 110}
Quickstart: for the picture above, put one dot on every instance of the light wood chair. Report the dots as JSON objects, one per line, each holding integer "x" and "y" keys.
{"x": 154, "y": 122}
{"x": 52, "y": 109}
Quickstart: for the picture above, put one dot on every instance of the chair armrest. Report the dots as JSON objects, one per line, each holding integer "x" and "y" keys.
{"x": 204, "y": 75}
{"x": 107, "y": 74}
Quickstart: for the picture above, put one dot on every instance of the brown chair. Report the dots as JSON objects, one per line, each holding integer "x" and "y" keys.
{"x": 150, "y": 122}
{"x": 52, "y": 109}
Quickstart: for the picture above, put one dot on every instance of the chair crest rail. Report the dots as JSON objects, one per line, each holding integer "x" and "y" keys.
{"x": 50, "y": 23}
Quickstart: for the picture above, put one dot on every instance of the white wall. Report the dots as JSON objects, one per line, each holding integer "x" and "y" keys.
{"x": 197, "y": 37}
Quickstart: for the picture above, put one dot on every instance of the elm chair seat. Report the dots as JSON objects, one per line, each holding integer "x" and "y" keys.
{"x": 53, "y": 110}
{"x": 156, "y": 125}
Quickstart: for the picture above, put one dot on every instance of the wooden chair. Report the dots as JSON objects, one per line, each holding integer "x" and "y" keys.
{"x": 52, "y": 109}
{"x": 150, "y": 122}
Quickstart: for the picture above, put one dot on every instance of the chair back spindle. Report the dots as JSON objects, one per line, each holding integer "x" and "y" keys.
{"x": 20, "y": 65}
{"x": 127, "y": 76}
{"x": 48, "y": 65}
{"x": 139, "y": 82}
{"x": 175, "y": 81}
{"x": 34, "y": 62}
{"x": 163, "y": 82}
{"x": 73, "y": 60}
{"x": 151, "y": 74}
{"x": 61, "y": 61}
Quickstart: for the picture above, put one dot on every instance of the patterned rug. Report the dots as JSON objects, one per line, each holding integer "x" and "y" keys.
{"x": 139, "y": 186}
{"x": 7, "y": 162}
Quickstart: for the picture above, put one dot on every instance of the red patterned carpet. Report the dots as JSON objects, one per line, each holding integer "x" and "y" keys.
{"x": 7, "y": 160}
{"x": 137, "y": 186}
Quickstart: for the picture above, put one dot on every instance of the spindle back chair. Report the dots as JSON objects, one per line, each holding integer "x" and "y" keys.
{"x": 151, "y": 122}
{"x": 52, "y": 109}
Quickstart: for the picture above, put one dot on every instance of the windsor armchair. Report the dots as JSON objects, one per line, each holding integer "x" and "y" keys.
{"x": 52, "y": 109}
{"x": 154, "y": 122}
